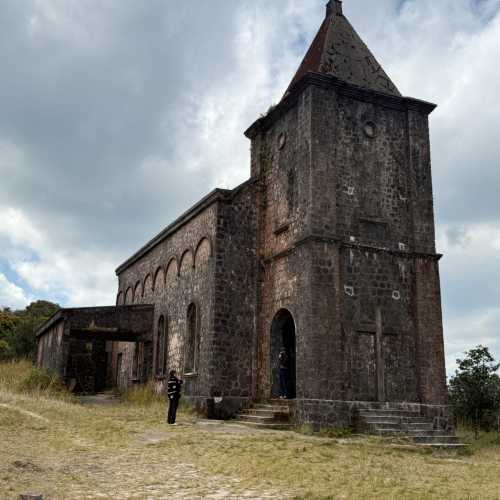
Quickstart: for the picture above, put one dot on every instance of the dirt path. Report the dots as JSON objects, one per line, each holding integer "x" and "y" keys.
{"x": 66, "y": 457}
{"x": 24, "y": 412}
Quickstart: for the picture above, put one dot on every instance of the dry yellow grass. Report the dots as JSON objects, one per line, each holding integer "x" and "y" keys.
{"x": 68, "y": 451}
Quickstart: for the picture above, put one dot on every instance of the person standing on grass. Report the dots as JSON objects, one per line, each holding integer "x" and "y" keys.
{"x": 174, "y": 394}
{"x": 283, "y": 371}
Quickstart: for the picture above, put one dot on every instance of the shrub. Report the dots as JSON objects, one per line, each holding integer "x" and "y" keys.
{"x": 41, "y": 381}
{"x": 12, "y": 373}
{"x": 22, "y": 376}
{"x": 143, "y": 395}
{"x": 4, "y": 349}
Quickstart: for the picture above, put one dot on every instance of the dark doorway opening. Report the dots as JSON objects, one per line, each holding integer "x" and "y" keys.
{"x": 283, "y": 337}
{"x": 87, "y": 366}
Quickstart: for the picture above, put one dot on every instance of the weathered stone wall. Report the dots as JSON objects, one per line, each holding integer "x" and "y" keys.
{"x": 378, "y": 279}
{"x": 371, "y": 186}
{"x": 281, "y": 160}
{"x": 324, "y": 413}
{"x": 358, "y": 243}
{"x": 235, "y": 301}
{"x": 430, "y": 344}
{"x": 179, "y": 271}
{"x": 335, "y": 227}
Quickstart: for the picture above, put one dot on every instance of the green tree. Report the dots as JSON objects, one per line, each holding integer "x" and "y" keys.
{"x": 17, "y": 329}
{"x": 4, "y": 350}
{"x": 8, "y": 323}
{"x": 475, "y": 388}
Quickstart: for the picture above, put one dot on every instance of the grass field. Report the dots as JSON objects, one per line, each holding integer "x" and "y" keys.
{"x": 52, "y": 445}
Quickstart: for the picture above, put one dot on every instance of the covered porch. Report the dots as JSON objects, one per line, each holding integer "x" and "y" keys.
{"x": 76, "y": 343}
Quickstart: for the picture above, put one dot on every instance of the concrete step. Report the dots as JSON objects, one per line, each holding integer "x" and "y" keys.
{"x": 405, "y": 423}
{"x": 389, "y": 407}
{"x": 388, "y": 432}
{"x": 257, "y": 411}
{"x": 436, "y": 439}
{"x": 392, "y": 413}
{"x": 262, "y": 413}
{"x": 391, "y": 418}
{"x": 272, "y": 415}
{"x": 384, "y": 425}
{"x": 268, "y": 407}
{"x": 273, "y": 426}
{"x": 433, "y": 432}
{"x": 419, "y": 426}
{"x": 259, "y": 419}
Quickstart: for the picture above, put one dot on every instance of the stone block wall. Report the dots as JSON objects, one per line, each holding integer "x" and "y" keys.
{"x": 233, "y": 347}
{"x": 323, "y": 413}
{"x": 355, "y": 248}
{"x": 176, "y": 273}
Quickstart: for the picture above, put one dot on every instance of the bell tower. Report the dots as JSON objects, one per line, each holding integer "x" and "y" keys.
{"x": 346, "y": 231}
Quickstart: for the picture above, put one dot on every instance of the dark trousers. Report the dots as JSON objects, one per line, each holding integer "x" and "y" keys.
{"x": 283, "y": 382}
{"x": 172, "y": 410}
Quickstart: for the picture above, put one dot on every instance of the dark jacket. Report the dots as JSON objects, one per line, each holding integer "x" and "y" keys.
{"x": 283, "y": 361}
{"x": 174, "y": 388}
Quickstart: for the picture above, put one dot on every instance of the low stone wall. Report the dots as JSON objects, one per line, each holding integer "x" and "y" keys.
{"x": 343, "y": 414}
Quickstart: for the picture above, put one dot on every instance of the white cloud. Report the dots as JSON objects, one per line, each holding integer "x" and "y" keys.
{"x": 11, "y": 295}
{"x": 115, "y": 119}
{"x": 81, "y": 277}
{"x": 471, "y": 287}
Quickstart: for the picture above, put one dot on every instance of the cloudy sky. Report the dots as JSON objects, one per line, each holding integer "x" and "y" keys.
{"x": 117, "y": 115}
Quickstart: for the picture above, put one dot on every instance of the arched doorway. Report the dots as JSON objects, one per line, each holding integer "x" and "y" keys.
{"x": 283, "y": 337}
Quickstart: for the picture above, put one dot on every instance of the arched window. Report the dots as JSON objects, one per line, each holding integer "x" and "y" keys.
{"x": 172, "y": 272}
{"x": 129, "y": 296}
{"x": 148, "y": 286}
{"x": 161, "y": 358}
{"x": 137, "y": 292}
{"x": 159, "y": 281}
{"x": 203, "y": 253}
{"x": 187, "y": 262}
{"x": 192, "y": 340}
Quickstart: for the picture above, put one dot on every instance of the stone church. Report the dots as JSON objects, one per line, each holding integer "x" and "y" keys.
{"x": 327, "y": 250}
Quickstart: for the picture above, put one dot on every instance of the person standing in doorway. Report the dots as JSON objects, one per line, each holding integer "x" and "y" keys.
{"x": 283, "y": 371}
{"x": 174, "y": 395}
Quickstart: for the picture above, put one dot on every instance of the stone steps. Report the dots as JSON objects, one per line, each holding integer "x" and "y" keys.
{"x": 450, "y": 446}
{"x": 273, "y": 415}
{"x": 258, "y": 410}
{"x": 391, "y": 418}
{"x": 260, "y": 419}
{"x": 389, "y": 413}
{"x": 411, "y": 425}
{"x": 271, "y": 426}
{"x": 440, "y": 439}
{"x": 416, "y": 433}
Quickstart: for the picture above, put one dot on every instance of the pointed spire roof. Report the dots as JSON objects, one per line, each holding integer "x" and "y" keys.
{"x": 338, "y": 50}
